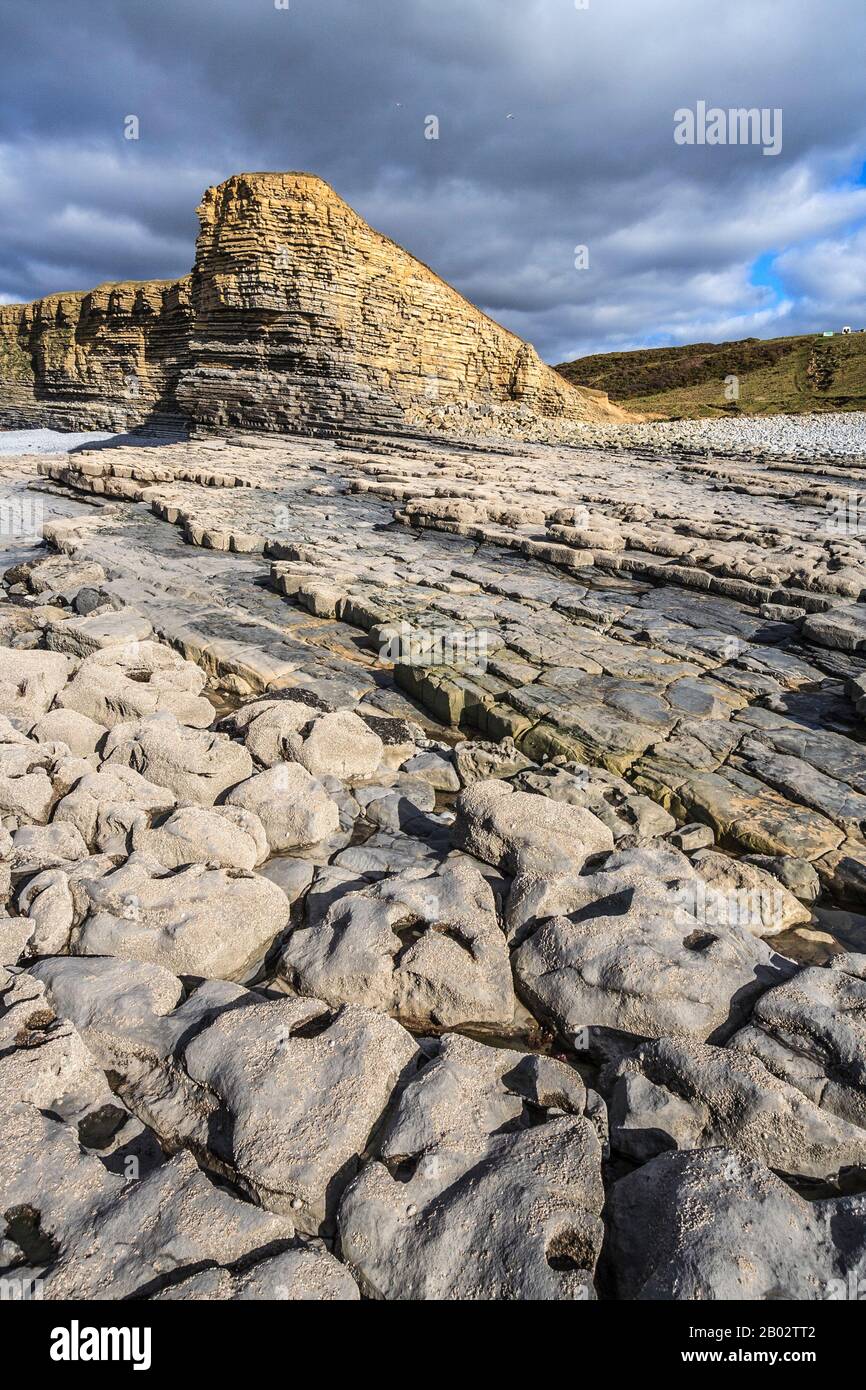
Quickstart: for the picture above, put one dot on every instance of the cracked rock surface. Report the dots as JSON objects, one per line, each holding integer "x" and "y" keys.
{"x": 434, "y": 871}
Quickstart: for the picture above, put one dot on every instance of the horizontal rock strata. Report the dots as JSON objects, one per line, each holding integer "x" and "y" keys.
{"x": 297, "y": 316}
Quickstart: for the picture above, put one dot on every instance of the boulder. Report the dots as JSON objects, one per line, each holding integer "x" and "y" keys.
{"x": 304, "y": 1273}
{"x": 39, "y": 847}
{"x": 266, "y": 724}
{"x": 60, "y": 725}
{"x": 192, "y": 763}
{"x": 84, "y": 635}
{"x": 428, "y": 950}
{"x": 31, "y": 681}
{"x": 737, "y": 891}
{"x": 811, "y": 1033}
{"x": 197, "y": 921}
{"x": 339, "y": 745}
{"x": 84, "y": 1231}
{"x": 532, "y": 898}
{"x": 485, "y": 1184}
{"x": 519, "y": 832}
{"x": 637, "y": 962}
{"x": 279, "y": 1095}
{"x": 225, "y": 837}
{"x": 106, "y": 806}
{"x": 120, "y": 684}
{"x": 676, "y": 1093}
{"x": 714, "y": 1224}
{"x": 293, "y": 806}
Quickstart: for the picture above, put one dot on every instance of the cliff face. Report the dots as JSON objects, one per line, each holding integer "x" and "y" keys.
{"x": 298, "y": 316}
{"x": 108, "y": 359}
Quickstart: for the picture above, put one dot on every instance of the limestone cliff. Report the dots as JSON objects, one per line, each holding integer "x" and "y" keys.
{"x": 108, "y": 359}
{"x": 298, "y": 316}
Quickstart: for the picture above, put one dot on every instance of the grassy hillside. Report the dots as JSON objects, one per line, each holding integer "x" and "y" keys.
{"x": 786, "y": 376}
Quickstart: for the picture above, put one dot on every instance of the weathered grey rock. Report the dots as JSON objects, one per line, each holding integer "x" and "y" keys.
{"x": 82, "y": 636}
{"x": 844, "y": 927}
{"x": 52, "y": 902}
{"x": 281, "y": 1096}
{"x": 843, "y": 628}
{"x": 121, "y": 684}
{"x": 691, "y": 837}
{"x": 338, "y": 745}
{"x": 534, "y": 898}
{"x": 266, "y": 724}
{"x": 303, "y": 1108}
{"x": 44, "y": 1064}
{"x": 293, "y": 806}
{"x": 639, "y": 963}
{"x": 391, "y": 852}
{"x": 106, "y": 806}
{"x": 797, "y": 875}
{"x": 477, "y": 760}
{"x": 226, "y": 837}
{"x": 57, "y": 576}
{"x": 194, "y": 764}
{"x": 717, "y": 1225}
{"x": 14, "y": 935}
{"x": 436, "y": 770}
{"x": 199, "y": 921}
{"x": 292, "y": 875}
{"x": 27, "y": 796}
{"x": 137, "y": 1234}
{"x": 402, "y": 804}
{"x": 31, "y": 681}
{"x": 802, "y": 782}
{"x": 39, "y": 847}
{"x": 80, "y": 734}
{"x": 811, "y": 1032}
{"x": 84, "y": 1231}
{"x": 842, "y": 872}
{"x": 482, "y": 1187}
{"x": 428, "y": 950}
{"x": 743, "y": 892}
{"x": 519, "y": 832}
{"x": 681, "y": 1094}
{"x": 303, "y": 1273}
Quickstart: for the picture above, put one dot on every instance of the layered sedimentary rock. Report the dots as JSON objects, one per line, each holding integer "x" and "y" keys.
{"x": 297, "y": 316}
{"x": 108, "y": 359}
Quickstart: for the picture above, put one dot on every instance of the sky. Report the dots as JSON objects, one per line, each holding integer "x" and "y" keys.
{"x": 556, "y": 130}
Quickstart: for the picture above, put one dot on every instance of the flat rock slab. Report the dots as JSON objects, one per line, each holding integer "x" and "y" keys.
{"x": 843, "y": 628}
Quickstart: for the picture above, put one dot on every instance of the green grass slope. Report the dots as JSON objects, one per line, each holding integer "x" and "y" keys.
{"x": 777, "y": 376}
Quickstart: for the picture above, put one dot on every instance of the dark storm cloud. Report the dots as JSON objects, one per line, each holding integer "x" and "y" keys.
{"x": 496, "y": 205}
